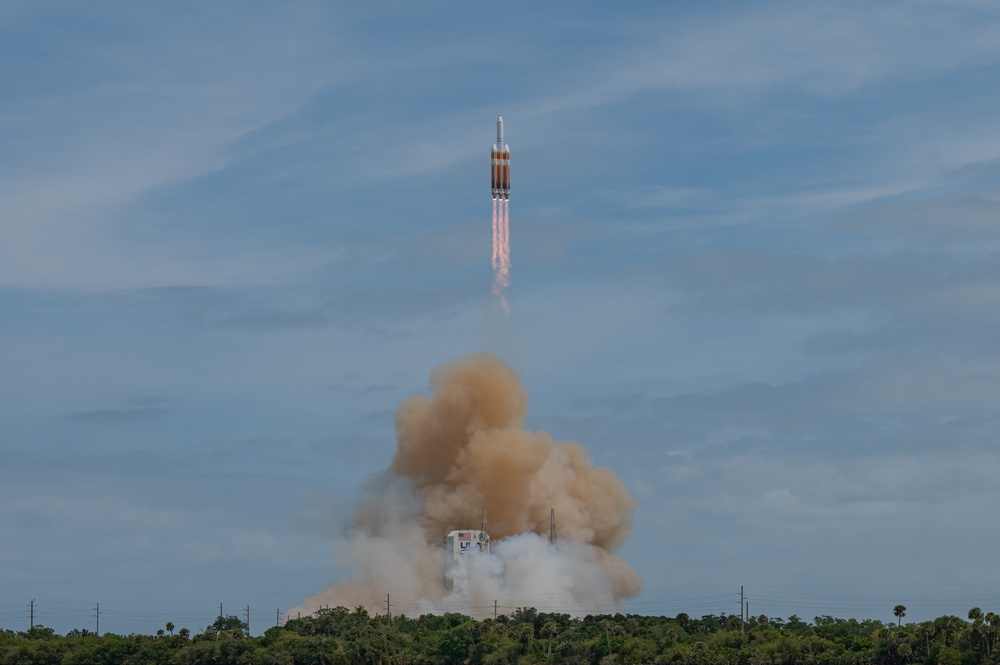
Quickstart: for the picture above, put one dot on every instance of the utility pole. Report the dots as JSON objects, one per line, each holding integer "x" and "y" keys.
{"x": 742, "y": 615}
{"x": 220, "y": 610}
{"x": 31, "y": 614}
{"x": 277, "y": 617}
{"x": 494, "y": 610}
{"x": 388, "y": 612}
{"x": 97, "y": 615}
{"x": 248, "y": 621}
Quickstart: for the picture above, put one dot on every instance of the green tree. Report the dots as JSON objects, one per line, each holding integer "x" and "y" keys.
{"x": 899, "y": 611}
{"x": 456, "y": 645}
{"x": 38, "y": 632}
{"x": 607, "y": 625}
{"x": 949, "y": 627}
{"x": 947, "y": 655}
{"x": 993, "y": 621}
{"x": 170, "y": 628}
{"x": 228, "y": 624}
{"x": 549, "y": 630}
{"x": 925, "y": 633}
{"x": 976, "y": 630}
{"x": 796, "y": 625}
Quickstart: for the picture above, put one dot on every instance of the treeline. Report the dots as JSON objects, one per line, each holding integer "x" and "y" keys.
{"x": 342, "y": 637}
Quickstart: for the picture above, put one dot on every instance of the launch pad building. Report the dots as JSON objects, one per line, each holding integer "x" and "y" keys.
{"x": 462, "y": 548}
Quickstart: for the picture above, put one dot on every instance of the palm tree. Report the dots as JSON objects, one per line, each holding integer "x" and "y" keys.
{"x": 170, "y": 628}
{"x": 951, "y": 629}
{"x": 899, "y": 611}
{"x": 549, "y": 630}
{"x": 526, "y": 633}
{"x": 991, "y": 635}
{"x": 184, "y": 633}
{"x": 925, "y": 632}
{"x": 975, "y": 631}
{"x": 607, "y": 632}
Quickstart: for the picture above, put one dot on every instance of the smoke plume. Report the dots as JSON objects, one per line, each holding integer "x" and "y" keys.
{"x": 463, "y": 448}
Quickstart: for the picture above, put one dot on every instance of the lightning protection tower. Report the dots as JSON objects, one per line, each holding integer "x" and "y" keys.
{"x": 484, "y": 536}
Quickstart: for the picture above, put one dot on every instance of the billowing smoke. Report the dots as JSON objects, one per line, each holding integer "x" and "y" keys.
{"x": 459, "y": 450}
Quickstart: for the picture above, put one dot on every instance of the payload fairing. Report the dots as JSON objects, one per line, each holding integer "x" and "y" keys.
{"x": 500, "y": 165}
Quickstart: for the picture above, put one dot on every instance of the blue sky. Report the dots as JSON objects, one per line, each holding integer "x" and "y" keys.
{"x": 754, "y": 250}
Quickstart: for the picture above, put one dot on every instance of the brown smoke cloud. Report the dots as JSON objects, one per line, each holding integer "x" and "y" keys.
{"x": 463, "y": 448}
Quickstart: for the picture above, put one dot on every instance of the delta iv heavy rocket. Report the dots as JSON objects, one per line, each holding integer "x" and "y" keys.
{"x": 500, "y": 165}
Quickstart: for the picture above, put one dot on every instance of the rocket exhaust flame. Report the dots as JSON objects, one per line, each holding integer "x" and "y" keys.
{"x": 465, "y": 447}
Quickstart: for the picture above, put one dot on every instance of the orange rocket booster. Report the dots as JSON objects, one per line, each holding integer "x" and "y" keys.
{"x": 500, "y": 165}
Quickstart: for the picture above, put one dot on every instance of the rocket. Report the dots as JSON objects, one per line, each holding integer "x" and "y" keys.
{"x": 500, "y": 165}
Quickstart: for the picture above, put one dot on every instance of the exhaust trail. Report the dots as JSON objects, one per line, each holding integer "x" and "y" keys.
{"x": 505, "y": 244}
{"x": 496, "y": 238}
{"x": 501, "y": 251}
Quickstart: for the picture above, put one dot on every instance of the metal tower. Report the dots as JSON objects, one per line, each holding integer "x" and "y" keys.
{"x": 484, "y": 537}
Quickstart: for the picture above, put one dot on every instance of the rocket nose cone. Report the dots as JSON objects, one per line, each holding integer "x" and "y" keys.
{"x": 499, "y": 119}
